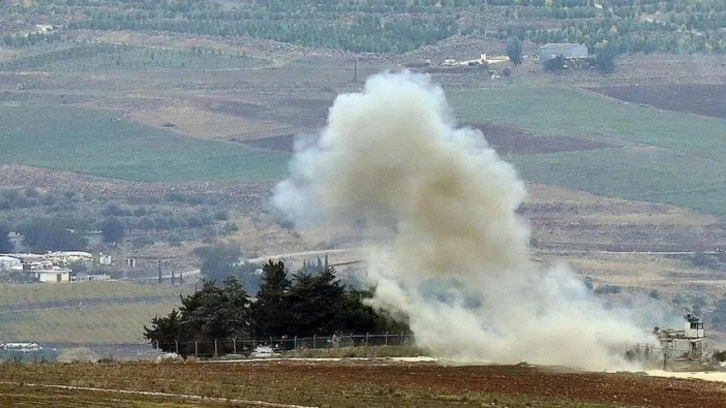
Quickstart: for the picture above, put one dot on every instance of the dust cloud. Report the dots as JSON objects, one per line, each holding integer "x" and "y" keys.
{"x": 444, "y": 244}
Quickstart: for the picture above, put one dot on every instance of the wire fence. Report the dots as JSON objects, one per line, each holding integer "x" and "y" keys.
{"x": 270, "y": 346}
{"x": 215, "y": 348}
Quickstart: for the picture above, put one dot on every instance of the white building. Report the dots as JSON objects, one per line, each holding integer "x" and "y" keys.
{"x": 8, "y": 262}
{"x": 569, "y": 51}
{"x": 51, "y": 275}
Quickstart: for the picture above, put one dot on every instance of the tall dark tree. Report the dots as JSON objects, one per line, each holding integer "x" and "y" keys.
{"x": 358, "y": 317}
{"x": 514, "y": 50}
{"x": 113, "y": 230}
{"x": 5, "y": 244}
{"x": 316, "y": 302}
{"x": 209, "y": 314}
{"x": 605, "y": 57}
{"x": 53, "y": 234}
{"x": 271, "y": 310}
{"x": 221, "y": 261}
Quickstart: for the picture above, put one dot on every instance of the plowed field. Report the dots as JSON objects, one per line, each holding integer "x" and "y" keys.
{"x": 346, "y": 383}
{"x": 701, "y": 99}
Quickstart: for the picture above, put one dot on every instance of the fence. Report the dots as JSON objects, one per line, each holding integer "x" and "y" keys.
{"x": 261, "y": 347}
{"x": 210, "y": 348}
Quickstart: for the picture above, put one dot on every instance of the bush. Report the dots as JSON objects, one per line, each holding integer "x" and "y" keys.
{"x": 608, "y": 289}
{"x": 140, "y": 242}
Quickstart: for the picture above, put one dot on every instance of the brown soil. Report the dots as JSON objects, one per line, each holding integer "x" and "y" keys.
{"x": 511, "y": 140}
{"x": 381, "y": 383}
{"x": 701, "y": 99}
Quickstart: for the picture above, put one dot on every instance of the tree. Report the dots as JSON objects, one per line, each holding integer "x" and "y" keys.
{"x": 605, "y": 54}
{"x": 52, "y": 234}
{"x": 315, "y": 303}
{"x": 113, "y": 230}
{"x": 209, "y": 314}
{"x": 220, "y": 261}
{"x": 514, "y": 50}
{"x": 555, "y": 64}
{"x": 5, "y": 244}
{"x": 271, "y": 311}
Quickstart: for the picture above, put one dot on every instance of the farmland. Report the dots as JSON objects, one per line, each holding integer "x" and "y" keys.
{"x": 104, "y": 144}
{"x": 130, "y": 105}
{"x": 83, "y": 312}
{"x": 372, "y": 383}
{"x": 658, "y": 156}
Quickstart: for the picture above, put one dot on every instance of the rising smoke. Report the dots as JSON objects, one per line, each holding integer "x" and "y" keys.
{"x": 445, "y": 246}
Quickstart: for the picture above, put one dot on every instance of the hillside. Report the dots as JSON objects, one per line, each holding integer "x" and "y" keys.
{"x": 178, "y": 118}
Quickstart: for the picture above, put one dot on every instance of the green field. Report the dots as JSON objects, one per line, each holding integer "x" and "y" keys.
{"x": 667, "y": 156}
{"x": 22, "y": 296}
{"x": 83, "y": 312}
{"x": 102, "y": 324}
{"x": 104, "y": 144}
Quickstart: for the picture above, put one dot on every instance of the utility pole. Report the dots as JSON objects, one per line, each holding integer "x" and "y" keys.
{"x": 355, "y": 70}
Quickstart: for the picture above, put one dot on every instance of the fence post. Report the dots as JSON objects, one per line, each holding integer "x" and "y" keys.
{"x": 215, "y": 347}
{"x": 366, "y": 339}
{"x": 401, "y": 338}
{"x": 196, "y": 349}
{"x": 176, "y": 345}
{"x": 315, "y": 343}
{"x": 157, "y": 344}
{"x": 234, "y": 345}
{"x": 295, "y": 343}
{"x": 386, "y": 341}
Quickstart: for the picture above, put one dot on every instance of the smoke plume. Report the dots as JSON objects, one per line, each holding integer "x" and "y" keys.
{"x": 444, "y": 244}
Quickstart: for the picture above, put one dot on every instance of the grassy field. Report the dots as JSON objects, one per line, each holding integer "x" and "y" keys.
{"x": 647, "y": 174}
{"x": 98, "y": 324}
{"x": 104, "y": 144}
{"x": 667, "y": 156}
{"x": 26, "y": 296}
{"x": 569, "y": 112}
{"x": 83, "y": 312}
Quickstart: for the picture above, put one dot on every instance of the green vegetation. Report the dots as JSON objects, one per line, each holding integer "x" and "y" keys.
{"x": 680, "y": 26}
{"x": 99, "y": 323}
{"x": 103, "y": 144}
{"x": 30, "y": 296}
{"x": 646, "y": 174}
{"x": 681, "y": 162}
{"x": 569, "y": 112}
{"x": 82, "y": 312}
{"x": 312, "y": 303}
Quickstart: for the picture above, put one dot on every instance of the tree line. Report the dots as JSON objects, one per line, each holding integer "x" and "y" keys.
{"x": 311, "y": 302}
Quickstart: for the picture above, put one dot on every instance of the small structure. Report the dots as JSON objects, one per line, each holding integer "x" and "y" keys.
{"x": 688, "y": 343}
{"x": 51, "y": 275}
{"x": 569, "y": 51}
{"x": 8, "y": 262}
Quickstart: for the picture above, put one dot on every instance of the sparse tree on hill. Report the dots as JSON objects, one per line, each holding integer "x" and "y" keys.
{"x": 5, "y": 244}
{"x": 113, "y": 230}
{"x": 514, "y": 50}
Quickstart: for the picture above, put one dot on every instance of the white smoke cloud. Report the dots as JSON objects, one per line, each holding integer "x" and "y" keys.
{"x": 446, "y": 247}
